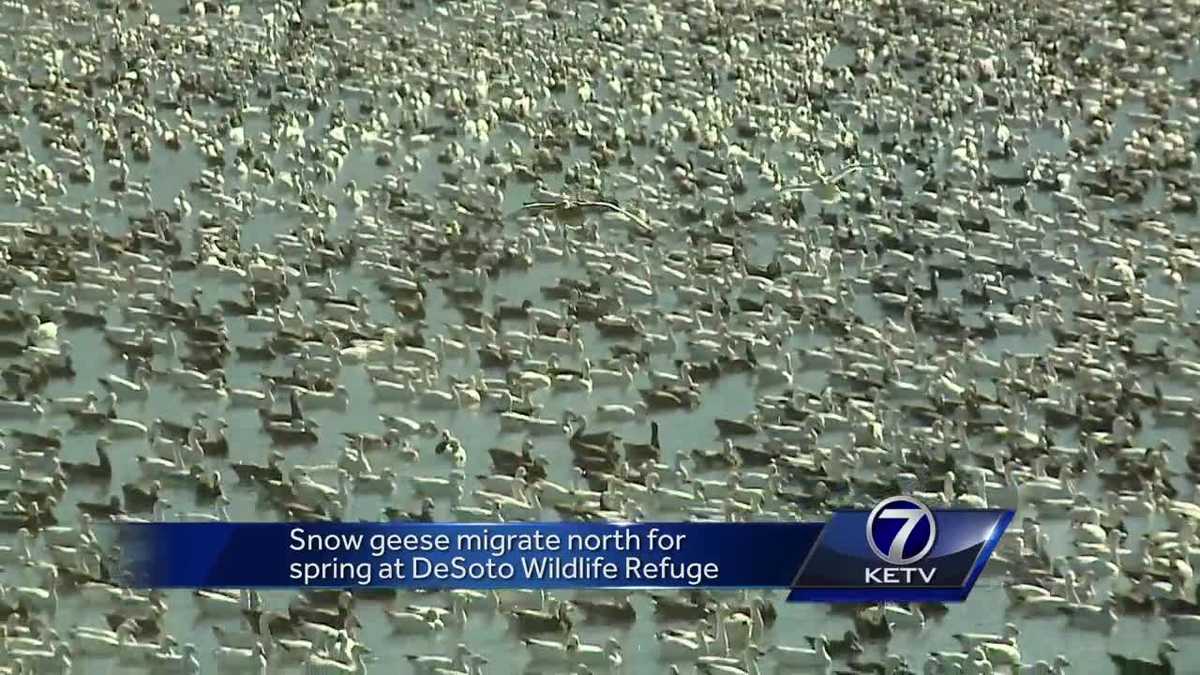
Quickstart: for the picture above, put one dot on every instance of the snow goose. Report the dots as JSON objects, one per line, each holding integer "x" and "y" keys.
{"x": 412, "y": 623}
{"x": 817, "y": 657}
{"x": 771, "y": 375}
{"x": 220, "y": 603}
{"x": 543, "y": 650}
{"x": 138, "y": 388}
{"x": 428, "y": 663}
{"x": 969, "y": 641}
{"x": 263, "y": 399}
{"x": 514, "y": 422}
{"x": 724, "y": 665}
{"x": 20, "y": 551}
{"x": 28, "y": 409}
{"x": 73, "y": 403}
{"x": 238, "y": 660}
{"x": 1183, "y": 624}
{"x": 619, "y": 412}
{"x": 604, "y": 377}
{"x": 604, "y": 656}
{"x": 672, "y": 647}
{"x": 527, "y": 505}
{"x": 166, "y": 659}
{"x": 671, "y": 499}
{"x": 432, "y": 486}
{"x": 503, "y": 484}
{"x": 408, "y": 427}
{"x": 52, "y": 661}
{"x": 901, "y": 617}
{"x": 338, "y": 399}
{"x": 89, "y": 641}
{"x": 1102, "y": 618}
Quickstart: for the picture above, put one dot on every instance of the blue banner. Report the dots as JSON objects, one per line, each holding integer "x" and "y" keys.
{"x": 898, "y": 550}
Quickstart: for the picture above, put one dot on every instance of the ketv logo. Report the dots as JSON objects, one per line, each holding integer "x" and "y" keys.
{"x": 900, "y": 551}
{"x": 901, "y": 531}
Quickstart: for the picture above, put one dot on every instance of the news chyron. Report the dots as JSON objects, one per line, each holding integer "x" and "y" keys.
{"x": 898, "y": 550}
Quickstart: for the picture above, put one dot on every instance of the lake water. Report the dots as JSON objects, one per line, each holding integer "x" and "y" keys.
{"x": 732, "y": 397}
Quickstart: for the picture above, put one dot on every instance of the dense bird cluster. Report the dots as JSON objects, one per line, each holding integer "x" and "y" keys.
{"x": 717, "y": 260}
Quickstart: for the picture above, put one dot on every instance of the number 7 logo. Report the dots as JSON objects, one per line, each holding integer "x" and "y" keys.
{"x": 913, "y": 513}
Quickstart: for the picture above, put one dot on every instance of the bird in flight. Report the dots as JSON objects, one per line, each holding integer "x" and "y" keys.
{"x": 828, "y": 181}
{"x": 565, "y": 202}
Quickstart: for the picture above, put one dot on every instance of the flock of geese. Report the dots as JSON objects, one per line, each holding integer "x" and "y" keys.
{"x": 715, "y": 260}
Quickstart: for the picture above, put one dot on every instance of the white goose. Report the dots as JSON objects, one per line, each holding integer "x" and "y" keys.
{"x": 1183, "y": 624}
{"x": 816, "y": 658}
{"x": 313, "y": 493}
{"x": 619, "y": 412}
{"x": 157, "y": 468}
{"x": 20, "y": 551}
{"x": 28, "y": 409}
{"x": 463, "y": 513}
{"x": 167, "y": 660}
{"x": 542, "y": 650}
{"x": 603, "y": 377}
{"x": 371, "y": 351}
{"x": 514, "y": 421}
{"x": 263, "y": 399}
{"x": 86, "y": 641}
{"x": 428, "y": 663}
{"x": 187, "y": 377}
{"x": 912, "y": 617}
{"x": 726, "y": 665}
{"x": 124, "y": 427}
{"x": 35, "y": 597}
{"x": 673, "y": 647}
{"x": 969, "y": 641}
{"x": 338, "y": 399}
{"x": 770, "y": 375}
{"x": 134, "y": 653}
{"x": 432, "y": 486}
{"x": 408, "y": 427}
{"x": 473, "y": 666}
{"x": 138, "y": 388}
{"x": 220, "y": 603}
{"x": 597, "y": 656}
{"x": 237, "y": 660}
{"x": 504, "y": 484}
{"x": 411, "y": 623}
{"x": 513, "y": 506}
{"x": 1102, "y": 618}
{"x": 442, "y": 399}
{"x": 671, "y": 499}
{"x": 553, "y": 494}
{"x": 73, "y": 403}
{"x": 51, "y": 661}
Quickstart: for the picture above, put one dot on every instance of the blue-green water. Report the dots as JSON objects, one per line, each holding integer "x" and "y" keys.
{"x": 167, "y": 173}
